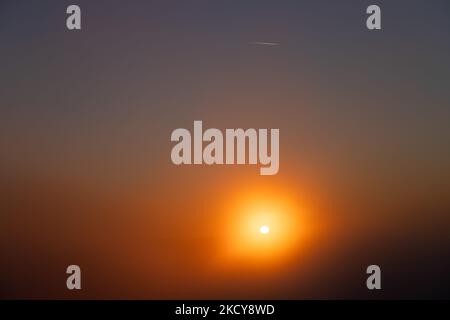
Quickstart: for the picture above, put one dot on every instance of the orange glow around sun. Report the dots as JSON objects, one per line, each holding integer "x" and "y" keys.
{"x": 264, "y": 227}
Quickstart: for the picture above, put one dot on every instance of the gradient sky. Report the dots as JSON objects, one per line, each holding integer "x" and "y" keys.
{"x": 85, "y": 123}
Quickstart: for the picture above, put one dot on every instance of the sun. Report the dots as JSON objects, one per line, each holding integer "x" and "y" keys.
{"x": 264, "y": 229}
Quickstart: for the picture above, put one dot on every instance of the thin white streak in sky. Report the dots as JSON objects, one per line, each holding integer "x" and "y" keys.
{"x": 258, "y": 43}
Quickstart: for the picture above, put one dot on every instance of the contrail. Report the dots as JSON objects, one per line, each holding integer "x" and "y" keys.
{"x": 258, "y": 43}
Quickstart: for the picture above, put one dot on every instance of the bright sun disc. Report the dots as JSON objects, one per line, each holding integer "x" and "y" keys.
{"x": 264, "y": 229}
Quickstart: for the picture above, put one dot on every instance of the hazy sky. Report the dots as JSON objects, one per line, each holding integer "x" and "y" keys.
{"x": 86, "y": 117}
